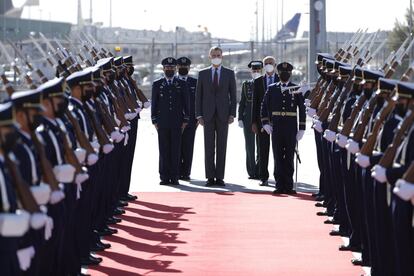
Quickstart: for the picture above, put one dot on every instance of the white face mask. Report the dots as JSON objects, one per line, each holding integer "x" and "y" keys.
{"x": 256, "y": 75}
{"x": 216, "y": 61}
{"x": 269, "y": 68}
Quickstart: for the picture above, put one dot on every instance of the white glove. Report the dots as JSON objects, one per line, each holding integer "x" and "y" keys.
{"x": 48, "y": 228}
{"x": 147, "y": 104}
{"x": 41, "y": 193}
{"x": 25, "y": 256}
{"x": 379, "y": 173}
{"x": 241, "y": 125}
{"x": 311, "y": 112}
{"x": 138, "y": 110}
{"x": 81, "y": 177}
{"x": 80, "y": 155}
{"x": 352, "y": 146}
{"x": 95, "y": 145}
{"x": 329, "y": 135}
{"x": 64, "y": 173}
{"x": 318, "y": 126}
{"x": 341, "y": 140}
{"x": 268, "y": 128}
{"x": 362, "y": 160}
{"x": 299, "y": 135}
{"x": 107, "y": 148}
{"x": 404, "y": 189}
{"x": 92, "y": 159}
{"x": 307, "y": 102}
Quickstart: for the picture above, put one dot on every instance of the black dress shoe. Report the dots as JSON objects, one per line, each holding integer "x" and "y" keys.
{"x": 315, "y": 194}
{"x": 106, "y": 231}
{"x": 337, "y": 233}
{"x": 122, "y": 203}
{"x": 220, "y": 182}
{"x": 320, "y": 204}
{"x": 324, "y": 213}
{"x": 185, "y": 178}
{"x": 277, "y": 191}
{"x": 331, "y": 221}
{"x": 113, "y": 220}
{"x": 164, "y": 182}
{"x": 319, "y": 198}
{"x": 130, "y": 197}
{"x": 349, "y": 248}
{"x": 91, "y": 260}
{"x": 210, "y": 182}
{"x": 291, "y": 192}
{"x": 356, "y": 261}
{"x": 118, "y": 211}
{"x": 264, "y": 183}
{"x": 96, "y": 247}
{"x": 104, "y": 245}
{"x": 174, "y": 182}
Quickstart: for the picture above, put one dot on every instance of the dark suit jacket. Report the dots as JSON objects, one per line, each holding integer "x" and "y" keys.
{"x": 259, "y": 90}
{"x": 209, "y": 101}
{"x": 169, "y": 106}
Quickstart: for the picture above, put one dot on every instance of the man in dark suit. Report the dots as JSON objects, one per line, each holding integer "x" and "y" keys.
{"x": 187, "y": 139}
{"x": 259, "y": 89}
{"x": 215, "y": 109}
{"x": 280, "y": 110}
{"x": 169, "y": 114}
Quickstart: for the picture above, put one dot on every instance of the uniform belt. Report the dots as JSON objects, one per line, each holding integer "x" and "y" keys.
{"x": 277, "y": 113}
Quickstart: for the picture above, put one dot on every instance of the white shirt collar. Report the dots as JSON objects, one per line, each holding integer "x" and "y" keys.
{"x": 214, "y": 68}
{"x": 184, "y": 78}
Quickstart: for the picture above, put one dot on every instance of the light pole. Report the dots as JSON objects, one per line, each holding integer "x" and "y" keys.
{"x": 110, "y": 13}
{"x": 410, "y": 31}
{"x": 317, "y": 33}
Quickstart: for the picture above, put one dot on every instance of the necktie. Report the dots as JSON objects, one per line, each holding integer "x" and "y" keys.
{"x": 270, "y": 81}
{"x": 169, "y": 82}
{"x": 215, "y": 80}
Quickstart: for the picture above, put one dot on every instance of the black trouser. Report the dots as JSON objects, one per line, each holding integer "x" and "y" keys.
{"x": 264, "y": 148}
{"x": 402, "y": 217}
{"x": 8, "y": 257}
{"x": 318, "y": 143}
{"x": 350, "y": 198}
{"x": 215, "y": 147}
{"x": 383, "y": 229}
{"x": 130, "y": 153}
{"x": 284, "y": 144}
{"x": 169, "y": 144}
{"x": 329, "y": 187}
{"x": 187, "y": 149}
{"x": 369, "y": 222}
{"x": 360, "y": 215}
{"x": 250, "y": 139}
{"x": 339, "y": 189}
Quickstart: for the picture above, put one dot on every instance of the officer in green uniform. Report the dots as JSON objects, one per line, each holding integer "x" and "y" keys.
{"x": 245, "y": 119}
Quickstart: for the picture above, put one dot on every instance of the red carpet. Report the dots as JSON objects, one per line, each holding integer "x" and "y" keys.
{"x": 200, "y": 233}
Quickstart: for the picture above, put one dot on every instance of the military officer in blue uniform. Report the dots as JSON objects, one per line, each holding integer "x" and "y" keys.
{"x": 279, "y": 115}
{"x": 188, "y": 136}
{"x": 170, "y": 116}
{"x": 245, "y": 119}
{"x": 14, "y": 222}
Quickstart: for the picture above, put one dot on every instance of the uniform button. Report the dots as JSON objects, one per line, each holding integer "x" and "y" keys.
{"x": 283, "y": 108}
